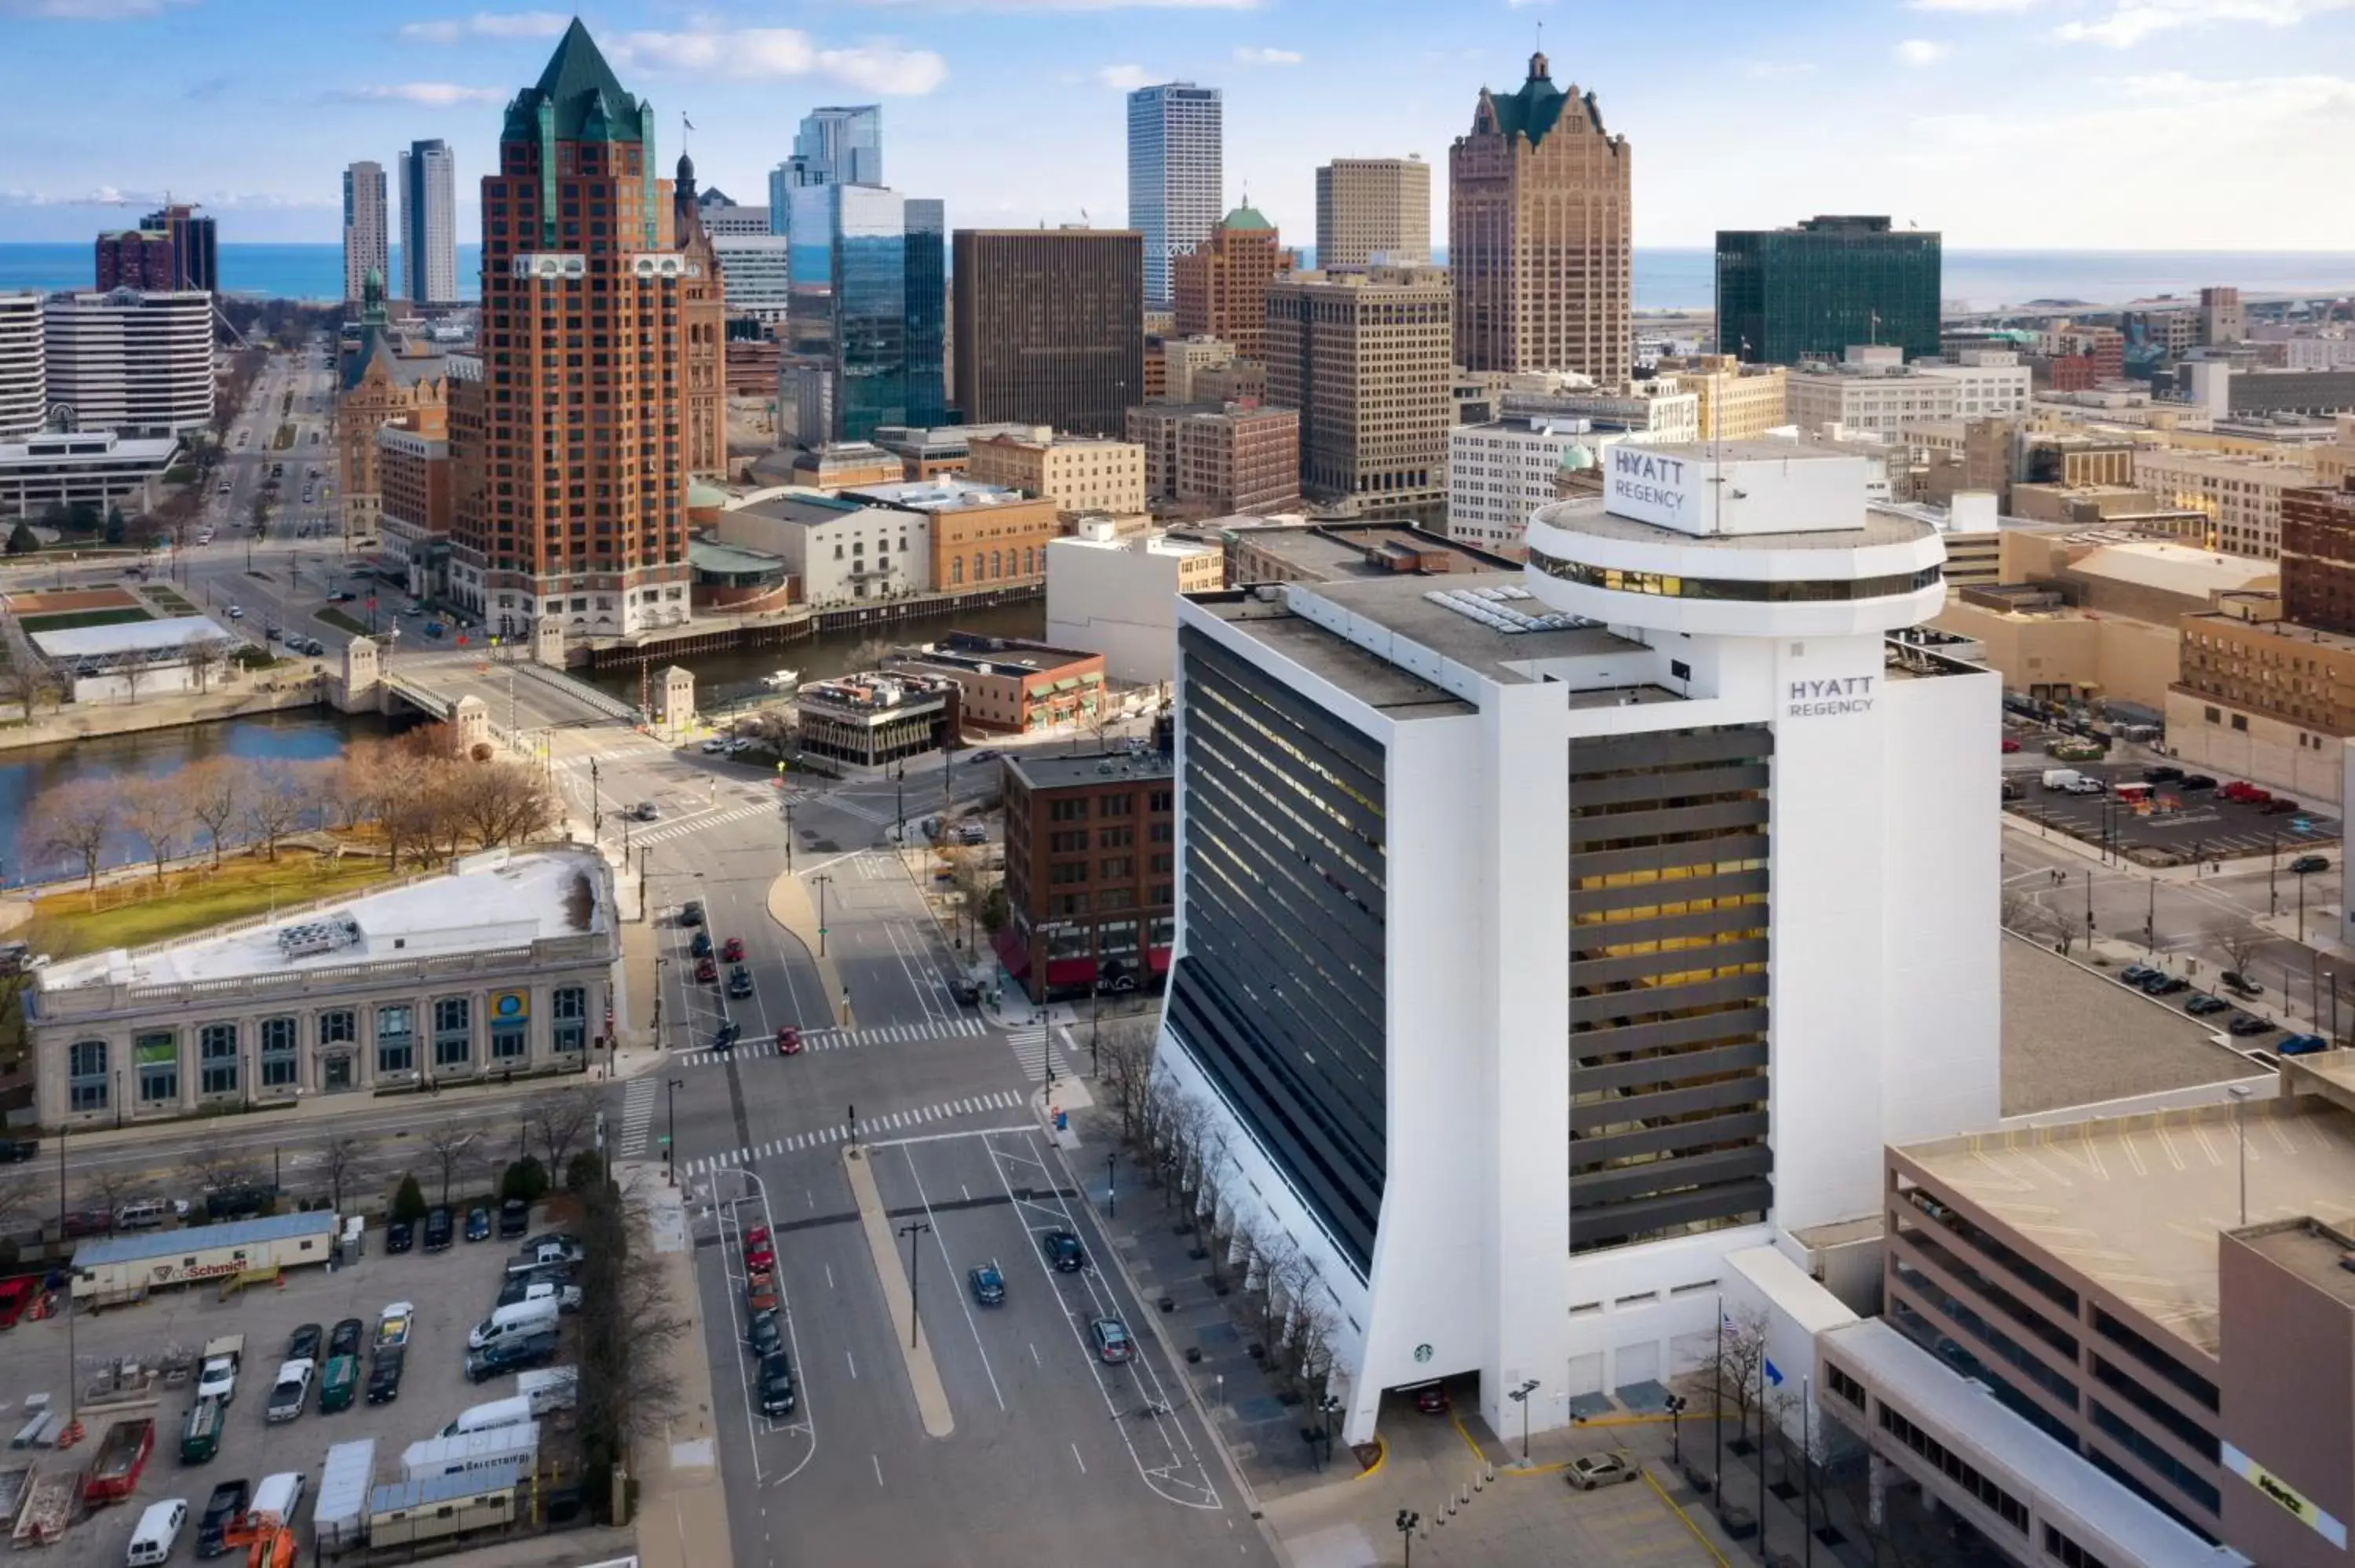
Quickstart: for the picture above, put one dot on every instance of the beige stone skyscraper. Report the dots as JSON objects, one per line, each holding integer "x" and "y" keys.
{"x": 1538, "y": 236}
{"x": 1364, "y": 358}
{"x": 1373, "y": 207}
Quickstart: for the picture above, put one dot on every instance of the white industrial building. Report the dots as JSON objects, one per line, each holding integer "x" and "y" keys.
{"x": 138, "y": 363}
{"x": 1118, "y": 597}
{"x": 69, "y": 468}
{"x": 23, "y": 383}
{"x": 134, "y": 659}
{"x": 755, "y": 277}
{"x": 1545, "y": 937}
{"x": 841, "y": 549}
{"x": 1500, "y": 472}
{"x": 1872, "y": 389}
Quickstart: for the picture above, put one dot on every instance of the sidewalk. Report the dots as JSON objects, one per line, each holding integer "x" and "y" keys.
{"x": 682, "y": 1511}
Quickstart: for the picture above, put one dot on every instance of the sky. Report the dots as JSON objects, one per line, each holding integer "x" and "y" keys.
{"x": 2027, "y": 124}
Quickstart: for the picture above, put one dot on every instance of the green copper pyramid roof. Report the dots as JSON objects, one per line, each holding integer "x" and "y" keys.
{"x": 584, "y": 97}
{"x": 1246, "y": 217}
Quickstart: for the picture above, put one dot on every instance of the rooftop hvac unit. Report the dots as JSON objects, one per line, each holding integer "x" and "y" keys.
{"x": 314, "y": 936}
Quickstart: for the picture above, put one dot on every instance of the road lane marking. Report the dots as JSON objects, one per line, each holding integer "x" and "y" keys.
{"x": 1075, "y": 1455}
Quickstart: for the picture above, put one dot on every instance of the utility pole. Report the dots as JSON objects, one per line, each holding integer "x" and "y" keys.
{"x": 670, "y": 1138}
{"x": 821, "y": 881}
{"x": 2151, "y": 923}
{"x": 2089, "y": 907}
{"x": 912, "y": 1231}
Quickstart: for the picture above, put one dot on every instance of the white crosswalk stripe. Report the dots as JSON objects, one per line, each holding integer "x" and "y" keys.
{"x": 697, "y": 824}
{"x": 1031, "y": 1047}
{"x": 1004, "y": 1100}
{"x": 637, "y": 1118}
{"x": 879, "y": 813}
{"x": 848, "y": 1039}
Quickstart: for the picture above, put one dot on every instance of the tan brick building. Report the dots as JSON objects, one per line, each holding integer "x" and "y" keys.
{"x": 1373, "y": 209}
{"x": 385, "y": 382}
{"x": 1738, "y": 401}
{"x": 980, "y": 535}
{"x": 1222, "y": 288}
{"x": 2240, "y": 496}
{"x": 1209, "y": 460}
{"x": 1539, "y": 234}
{"x": 1078, "y": 473}
{"x": 1364, "y": 356}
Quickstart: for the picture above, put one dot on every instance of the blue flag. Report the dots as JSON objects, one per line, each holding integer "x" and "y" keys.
{"x": 1773, "y": 1374}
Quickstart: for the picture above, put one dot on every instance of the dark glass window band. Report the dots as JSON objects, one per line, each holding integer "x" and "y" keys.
{"x": 1667, "y": 586}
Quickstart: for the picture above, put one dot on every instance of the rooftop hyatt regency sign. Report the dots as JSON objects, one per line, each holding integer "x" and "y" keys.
{"x": 1820, "y": 699}
{"x": 1650, "y": 487}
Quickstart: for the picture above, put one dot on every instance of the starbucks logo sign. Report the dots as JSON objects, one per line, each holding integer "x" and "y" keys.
{"x": 1422, "y": 1352}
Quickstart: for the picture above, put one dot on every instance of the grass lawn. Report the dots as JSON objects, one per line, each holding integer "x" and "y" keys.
{"x": 71, "y": 619}
{"x": 340, "y": 621}
{"x": 171, "y": 600}
{"x": 283, "y": 438}
{"x": 130, "y": 914}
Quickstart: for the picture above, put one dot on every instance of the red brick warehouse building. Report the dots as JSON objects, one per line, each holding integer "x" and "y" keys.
{"x": 1090, "y": 873}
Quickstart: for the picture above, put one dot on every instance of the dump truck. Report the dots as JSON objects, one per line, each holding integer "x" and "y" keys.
{"x": 123, "y": 1453}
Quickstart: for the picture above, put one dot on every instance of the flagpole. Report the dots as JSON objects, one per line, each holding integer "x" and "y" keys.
{"x": 1717, "y": 1417}
{"x": 1762, "y": 1449}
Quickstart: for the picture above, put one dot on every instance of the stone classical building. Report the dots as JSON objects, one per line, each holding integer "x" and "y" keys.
{"x": 1373, "y": 210}
{"x": 1078, "y": 473}
{"x": 504, "y": 965}
{"x": 1364, "y": 358}
{"x": 1538, "y": 236}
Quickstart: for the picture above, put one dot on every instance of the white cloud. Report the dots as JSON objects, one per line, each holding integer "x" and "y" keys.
{"x": 434, "y": 94}
{"x": 487, "y": 25}
{"x": 908, "y": 73}
{"x": 1246, "y": 55}
{"x": 1124, "y": 78}
{"x": 115, "y": 196}
{"x": 1922, "y": 51}
{"x": 1768, "y": 70}
{"x": 89, "y": 10}
{"x": 1067, "y": 5}
{"x": 1517, "y": 5}
{"x": 1976, "y": 7}
{"x": 2132, "y": 21}
{"x": 768, "y": 54}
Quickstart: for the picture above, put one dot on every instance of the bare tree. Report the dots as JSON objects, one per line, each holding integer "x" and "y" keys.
{"x": 23, "y": 1197}
{"x": 275, "y": 806}
{"x": 341, "y": 1155}
{"x": 157, "y": 810}
{"x": 24, "y": 682}
{"x": 214, "y": 790}
{"x": 497, "y": 803}
{"x": 1737, "y": 1360}
{"x": 454, "y": 1150}
{"x": 108, "y": 1187}
{"x": 1124, "y": 1051}
{"x": 203, "y": 659}
{"x": 2020, "y": 911}
{"x": 218, "y": 1168}
{"x": 2241, "y": 945}
{"x": 73, "y": 820}
{"x": 563, "y": 1119}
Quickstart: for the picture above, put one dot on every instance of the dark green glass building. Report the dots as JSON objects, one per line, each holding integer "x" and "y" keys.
{"x": 1785, "y": 293}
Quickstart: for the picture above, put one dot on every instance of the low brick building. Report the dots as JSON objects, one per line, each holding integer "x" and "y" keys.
{"x": 1091, "y": 878}
{"x": 1010, "y": 684}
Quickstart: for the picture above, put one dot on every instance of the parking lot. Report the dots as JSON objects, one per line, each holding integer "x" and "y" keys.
{"x": 2176, "y": 826}
{"x": 451, "y": 1290}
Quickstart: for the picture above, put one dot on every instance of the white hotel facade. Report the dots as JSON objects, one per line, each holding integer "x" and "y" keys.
{"x": 1545, "y": 937}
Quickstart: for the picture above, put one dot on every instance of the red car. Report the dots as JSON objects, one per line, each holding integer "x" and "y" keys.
{"x": 1431, "y": 1399}
{"x": 759, "y": 1258}
{"x": 2010, "y": 746}
{"x": 705, "y": 970}
{"x": 789, "y": 1041}
{"x": 757, "y": 1236}
{"x": 732, "y": 950}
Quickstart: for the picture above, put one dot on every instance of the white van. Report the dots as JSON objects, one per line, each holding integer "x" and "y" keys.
{"x": 141, "y": 1215}
{"x": 513, "y": 1323}
{"x": 490, "y": 1416}
{"x": 278, "y": 1497}
{"x": 550, "y": 1389}
{"x": 525, "y": 1291}
{"x": 158, "y": 1532}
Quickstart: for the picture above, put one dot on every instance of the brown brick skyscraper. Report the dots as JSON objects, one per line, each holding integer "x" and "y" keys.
{"x": 1538, "y": 236}
{"x": 1222, "y": 288}
{"x": 586, "y": 433}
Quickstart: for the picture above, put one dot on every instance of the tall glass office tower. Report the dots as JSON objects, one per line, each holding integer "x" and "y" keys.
{"x": 429, "y": 224}
{"x": 868, "y": 276}
{"x": 842, "y": 145}
{"x": 1176, "y": 174}
{"x": 1784, "y": 294}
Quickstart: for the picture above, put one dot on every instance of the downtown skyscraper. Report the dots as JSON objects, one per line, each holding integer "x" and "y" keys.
{"x": 1176, "y": 174}
{"x": 869, "y": 300}
{"x": 592, "y": 319}
{"x": 1539, "y": 235}
{"x": 367, "y": 235}
{"x": 837, "y": 146}
{"x": 429, "y": 224}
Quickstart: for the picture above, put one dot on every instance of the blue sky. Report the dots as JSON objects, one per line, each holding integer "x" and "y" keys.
{"x": 2174, "y": 125}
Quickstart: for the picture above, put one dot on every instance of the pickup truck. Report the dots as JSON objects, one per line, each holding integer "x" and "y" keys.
{"x": 291, "y": 1391}
{"x": 217, "y": 1378}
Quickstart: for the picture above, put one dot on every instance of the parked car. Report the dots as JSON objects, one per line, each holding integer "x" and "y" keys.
{"x": 705, "y": 970}
{"x": 440, "y": 1229}
{"x": 291, "y": 1391}
{"x": 1589, "y": 1471}
{"x": 2199, "y": 781}
{"x": 2241, "y": 984}
{"x": 399, "y": 1236}
{"x": 223, "y": 1508}
{"x": 740, "y": 981}
{"x": 966, "y": 992}
{"x": 514, "y": 1217}
{"x": 776, "y": 1384}
{"x": 1112, "y": 1344}
{"x": 764, "y": 1334}
{"x": 732, "y": 951}
{"x": 972, "y": 833}
{"x": 303, "y": 1344}
{"x": 2010, "y": 746}
{"x": 701, "y": 946}
{"x": 2301, "y": 1044}
{"x": 760, "y": 1251}
{"x": 691, "y": 912}
{"x": 761, "y": 1291}
{"x": 478, "y": 1224}
{"x": 989, "y": 1285}
{"x": 2135, "y": 974}
{"x": 2307, "y": 864}
{"x": 2282, "y": 806}
{"x": 344, "y": 1339}
{"x": 1062, "y": 1249}
{"x": 2162, "y": 775}
{"x": 2200, "y": 1003}
{"x": 2166, "y": 985}
{"x": 2248, "y": 1024}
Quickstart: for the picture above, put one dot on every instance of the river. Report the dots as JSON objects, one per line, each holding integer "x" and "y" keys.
{"x": 302, "y": 736}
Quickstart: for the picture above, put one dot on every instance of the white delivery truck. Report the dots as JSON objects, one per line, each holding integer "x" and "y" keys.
{"x": 2060, "y": 778}
{"x": 491, "y": 1416}
{"x": 550, "y": 1389}
{"x": 471, "y": 1451}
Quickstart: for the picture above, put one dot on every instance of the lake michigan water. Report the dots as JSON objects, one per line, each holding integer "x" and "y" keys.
{"x": 1667, "y": 277}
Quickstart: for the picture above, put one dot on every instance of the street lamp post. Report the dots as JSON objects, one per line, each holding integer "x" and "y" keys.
{"x": 821, "y": 881}
{"x": 2239, "y": 1093}
{"x": 2089, "y": 907}
{"x": 1111, "y": 1185}
{"x": 596, "y": 804}
{"x": 1331, "y": 1407}
{"x": 1407, "y": 1520}
{"x": 1521, "y": 1396}
{"x": 670, "y": 1138}
{"x": 1046, "y": 1044}
{"x": 912, "y": 1231}
{"x": 1676, "y": 1429}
